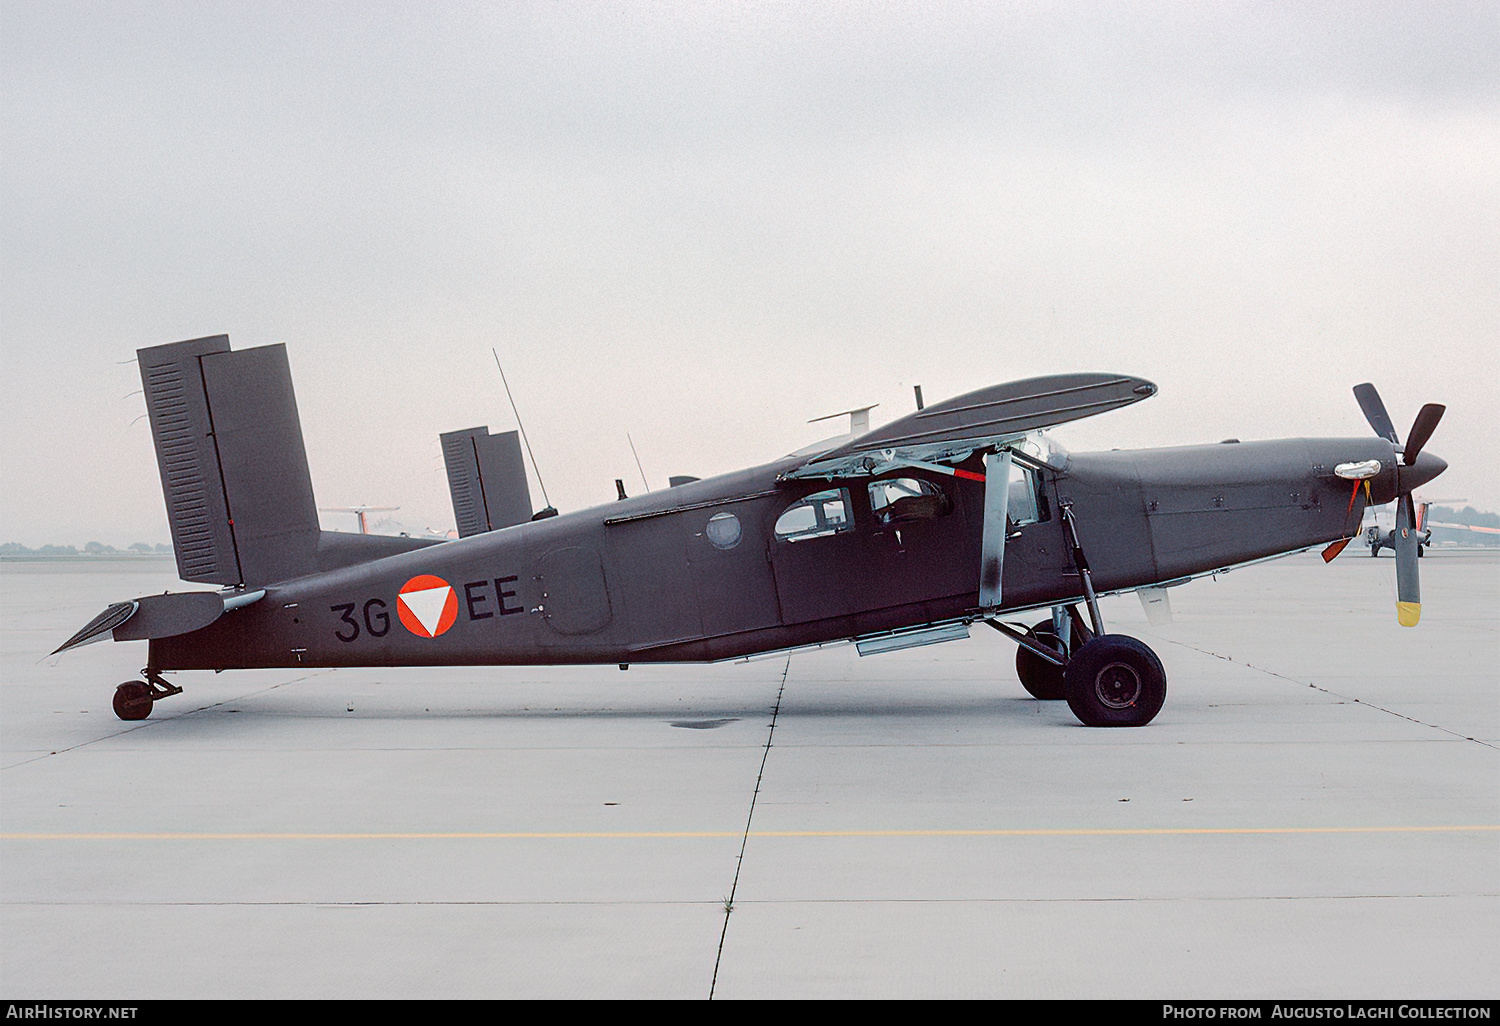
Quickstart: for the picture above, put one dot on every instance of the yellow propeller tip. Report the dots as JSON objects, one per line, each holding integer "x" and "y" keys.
{"x": 1408, "y": 613}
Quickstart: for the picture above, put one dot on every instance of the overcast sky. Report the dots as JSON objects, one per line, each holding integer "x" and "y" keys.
{"x": 703, "y": 224}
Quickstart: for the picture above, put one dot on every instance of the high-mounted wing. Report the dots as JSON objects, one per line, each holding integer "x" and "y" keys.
{"x": 982, "y": 419}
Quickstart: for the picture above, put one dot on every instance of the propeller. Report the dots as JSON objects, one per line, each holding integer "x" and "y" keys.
{"x": 1412, "y": 473}
{"x": 1374, "y": 410}
{"x": 1421, "y": 430}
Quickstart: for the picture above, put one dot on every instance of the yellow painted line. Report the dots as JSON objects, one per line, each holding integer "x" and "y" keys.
{"x": 695, "y": 834}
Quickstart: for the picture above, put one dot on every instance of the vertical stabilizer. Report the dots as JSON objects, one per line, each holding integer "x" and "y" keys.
{"x": 233, "y": 466}
{"x": 190, "y": 479}
{"x": 486, "y": 480}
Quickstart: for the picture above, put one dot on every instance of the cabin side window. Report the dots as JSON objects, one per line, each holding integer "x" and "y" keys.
{"x": 903, "y": 500}
{"x": 816, "y": 516}
{"x": 723, "y": 530}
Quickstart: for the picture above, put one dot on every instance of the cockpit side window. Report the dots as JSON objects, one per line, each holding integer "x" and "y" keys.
{"x": 902, "y": 500}
{"x": 816, "y": 516}
{"x": 1027, "y": 504}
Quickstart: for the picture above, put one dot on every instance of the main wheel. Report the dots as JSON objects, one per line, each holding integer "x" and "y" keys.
{"x": 133, "y": 700}
{"x": 1041, "y": 679}
{"x": 1115, "y": 681}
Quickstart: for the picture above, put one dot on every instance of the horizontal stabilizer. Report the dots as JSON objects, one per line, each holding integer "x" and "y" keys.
{"x": 163, "y": 616}
{"x": 158, "y": 616}
{"x": 99, "y": 627}
{"x": 989, "y": 416}
{"x": 486, "y": 480}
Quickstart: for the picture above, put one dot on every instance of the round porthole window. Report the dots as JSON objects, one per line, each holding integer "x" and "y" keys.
{"x": 723, "y": 530}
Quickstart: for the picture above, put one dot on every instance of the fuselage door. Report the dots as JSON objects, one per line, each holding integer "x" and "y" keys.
{"x": 819, "y": 558}
{"x": 574, "y": 599}
{"x": 1037, "y": 555}
{"x": 728, "y": 558}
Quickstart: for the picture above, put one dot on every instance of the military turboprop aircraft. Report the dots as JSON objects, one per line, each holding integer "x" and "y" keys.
{"x": 957, "y": 514}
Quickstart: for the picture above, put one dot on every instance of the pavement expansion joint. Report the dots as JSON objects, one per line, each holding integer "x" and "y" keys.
{"x": 1333, "y": 694}
{"x": 745, "y": 839}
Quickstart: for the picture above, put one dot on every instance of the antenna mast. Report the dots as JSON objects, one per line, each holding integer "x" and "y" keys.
{"x": 638, "y": 461}
{"x": 517, "y": 412}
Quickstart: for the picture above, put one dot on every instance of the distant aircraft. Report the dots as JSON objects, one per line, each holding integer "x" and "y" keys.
{"x": 1475, "y": 528}
{"x": 361, "y": 512}
{"x": 956, "y": 514}
{"x": 1378, "y": 539}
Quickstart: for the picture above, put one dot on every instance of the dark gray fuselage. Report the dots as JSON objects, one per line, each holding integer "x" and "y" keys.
{"x": 642, "y": 580}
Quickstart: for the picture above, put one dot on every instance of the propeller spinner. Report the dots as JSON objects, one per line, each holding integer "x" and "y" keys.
{"x": 1415, "y": 470}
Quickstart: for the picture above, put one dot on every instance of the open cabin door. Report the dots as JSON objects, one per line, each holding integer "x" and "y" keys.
{"x": 864, "y": 546}
{"x": 1007, "y": 546}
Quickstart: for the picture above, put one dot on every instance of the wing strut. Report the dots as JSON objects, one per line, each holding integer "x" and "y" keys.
{"x": 992, "y": 540}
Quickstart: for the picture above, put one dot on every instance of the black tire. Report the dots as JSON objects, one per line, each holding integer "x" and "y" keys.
{"x": 133, "y": 700}
{"x": 1041, "y": 679}
{"x": 1115, "y": 681}
{"x": 1374, "y": 549}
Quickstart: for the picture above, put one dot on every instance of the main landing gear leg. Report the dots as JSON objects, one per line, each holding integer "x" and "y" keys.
{"x": 1041, "y": 672}
{"x": 134, "y": 698}
{"x": 1109, "y": 680}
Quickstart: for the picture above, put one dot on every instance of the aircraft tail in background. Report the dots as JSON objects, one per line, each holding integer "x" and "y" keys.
{"x": 486, "y": 480}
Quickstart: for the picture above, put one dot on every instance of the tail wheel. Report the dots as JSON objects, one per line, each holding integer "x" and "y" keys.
{"x": 1115, "y": 681}
{"x": 133, "y": 700}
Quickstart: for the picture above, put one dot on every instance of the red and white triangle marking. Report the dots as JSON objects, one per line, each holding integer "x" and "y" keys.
{"x": 427, "y": 606}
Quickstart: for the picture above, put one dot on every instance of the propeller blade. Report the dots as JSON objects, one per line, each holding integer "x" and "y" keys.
{"x": 1374, "y": 410}
{"x": 1408, "y": 592}
{"x": 1421, "y": 430}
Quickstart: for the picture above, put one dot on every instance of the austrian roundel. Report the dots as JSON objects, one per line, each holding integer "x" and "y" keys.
{"x": 427, "y": 605}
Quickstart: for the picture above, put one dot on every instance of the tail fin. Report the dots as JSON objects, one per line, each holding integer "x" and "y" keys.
{"x": 233, "y": 466}
{"x": 486, "y": 479}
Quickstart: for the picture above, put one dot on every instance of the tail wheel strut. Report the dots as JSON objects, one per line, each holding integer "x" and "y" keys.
{"x": 134, "y": 699}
